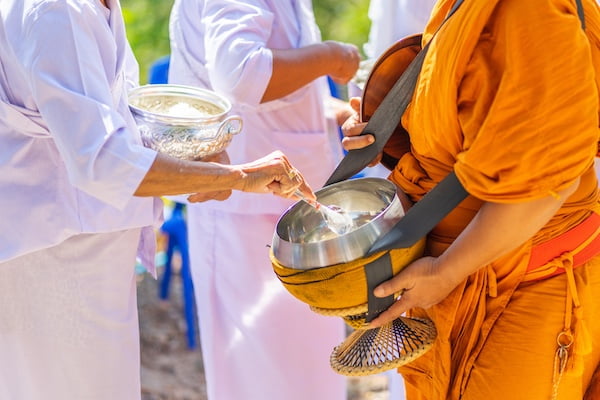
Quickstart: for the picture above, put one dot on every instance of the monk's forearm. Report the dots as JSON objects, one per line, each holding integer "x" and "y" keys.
{"x": 496, "y": 230}
{"x": 170, "y": 176}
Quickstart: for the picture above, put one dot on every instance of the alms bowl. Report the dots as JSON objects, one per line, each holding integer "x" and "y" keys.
{"x": 302, "y": 239}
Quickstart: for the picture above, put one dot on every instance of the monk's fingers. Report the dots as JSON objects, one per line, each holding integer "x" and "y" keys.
{"x": 353, "y": 126}
{"x": 353, "y": 134}
{"x": 355, "y": 104}
{"x": 399, "y": 307}
{"x": 421, "y": 284}
{"x": 357, "y": 142}
{"x": 395, "y": 285}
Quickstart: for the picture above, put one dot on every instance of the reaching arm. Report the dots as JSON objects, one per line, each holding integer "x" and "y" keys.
{"x": 295, "y": 68}
{"x": 273, "y": 173}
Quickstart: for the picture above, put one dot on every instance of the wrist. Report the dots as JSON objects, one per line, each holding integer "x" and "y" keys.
{"x": 449, "y": 273}
{"x": 212, "y": 176}
{"x": 240, "y": 178}
{"x": 327, "y": 57}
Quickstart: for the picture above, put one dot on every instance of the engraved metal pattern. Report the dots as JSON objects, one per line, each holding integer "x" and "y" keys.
{"x": 184, "y": 122}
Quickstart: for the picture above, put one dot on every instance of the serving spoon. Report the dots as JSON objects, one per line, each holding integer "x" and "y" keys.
{"x": 336, "y": 218}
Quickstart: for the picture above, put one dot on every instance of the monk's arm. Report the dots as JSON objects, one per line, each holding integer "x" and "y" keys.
{"x": 295, "y": 68}
{"x": 496, "y": 230}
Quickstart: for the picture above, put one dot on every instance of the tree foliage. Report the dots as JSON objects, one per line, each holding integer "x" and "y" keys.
{"x": 346, "y": 21}
{"x": 147, "y": 23}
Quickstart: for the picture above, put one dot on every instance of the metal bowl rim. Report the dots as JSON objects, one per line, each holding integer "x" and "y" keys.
{"x": 179, "y": 90}
{"x": 282, "y": 246}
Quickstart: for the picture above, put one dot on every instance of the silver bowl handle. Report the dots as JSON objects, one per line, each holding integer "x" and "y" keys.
{"x": 231, "y": 125}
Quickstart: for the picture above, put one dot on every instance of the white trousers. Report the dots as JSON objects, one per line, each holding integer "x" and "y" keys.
{"x": 68, "y": 321}
{"x": 258, "y": 342}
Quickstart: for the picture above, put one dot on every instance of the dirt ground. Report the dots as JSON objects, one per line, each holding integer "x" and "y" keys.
{"x": 170, "y": 371}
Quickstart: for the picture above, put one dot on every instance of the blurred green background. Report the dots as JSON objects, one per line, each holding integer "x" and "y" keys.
{"x": 147, "y": 24}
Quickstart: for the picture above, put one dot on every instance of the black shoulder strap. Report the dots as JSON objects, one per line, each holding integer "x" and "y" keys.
{"x": 581, "y": 13}
{"x": 386, "y": 117}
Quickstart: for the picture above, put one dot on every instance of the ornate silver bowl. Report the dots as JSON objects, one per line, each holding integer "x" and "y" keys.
{"x": 183, "y": 121}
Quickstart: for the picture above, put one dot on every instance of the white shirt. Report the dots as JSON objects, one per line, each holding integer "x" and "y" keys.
{"x": 225, "y": 46}
{"x": 392, "y": 20}
{"x": 70, "y": 154}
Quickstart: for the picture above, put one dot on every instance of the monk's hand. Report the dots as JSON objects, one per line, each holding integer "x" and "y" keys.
{"x": 421, "y": 284}
{"x": 352, "y": 129}
{"x": 345, "y": 59}
{"x": 275, "y": 174}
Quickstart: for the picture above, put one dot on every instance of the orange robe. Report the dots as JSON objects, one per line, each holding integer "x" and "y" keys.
{"x": 508, "y": 98}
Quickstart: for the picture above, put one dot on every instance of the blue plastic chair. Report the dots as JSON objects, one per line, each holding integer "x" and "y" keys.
{"x": 159, "y": 70}
{"x": 175, "y": 228}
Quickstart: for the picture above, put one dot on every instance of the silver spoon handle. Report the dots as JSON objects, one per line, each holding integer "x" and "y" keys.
{"x": 312, "y": 203}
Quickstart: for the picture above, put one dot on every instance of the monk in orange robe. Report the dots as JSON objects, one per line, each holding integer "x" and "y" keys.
{"x": 508, "y": 98}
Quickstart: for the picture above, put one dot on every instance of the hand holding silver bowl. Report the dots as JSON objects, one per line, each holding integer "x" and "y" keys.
{"x": 185, "y": 122}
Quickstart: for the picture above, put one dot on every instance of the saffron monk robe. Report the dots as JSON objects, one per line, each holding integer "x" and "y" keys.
{"x": 508, "y": 99}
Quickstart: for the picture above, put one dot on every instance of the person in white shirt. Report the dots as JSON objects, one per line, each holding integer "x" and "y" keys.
{"x": 258, "y": 342}
{"x": 392, "y": 20}
{"x": 77, "y": 200}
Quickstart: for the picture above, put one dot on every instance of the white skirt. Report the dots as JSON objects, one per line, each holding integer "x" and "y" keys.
{"x": 258, "y": 341}
{"x": 68, "y": 321}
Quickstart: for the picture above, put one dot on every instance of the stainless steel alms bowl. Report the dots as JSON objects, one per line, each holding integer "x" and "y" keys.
{"x": 302, "y": 239}
{"x": 183, "y": 121}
